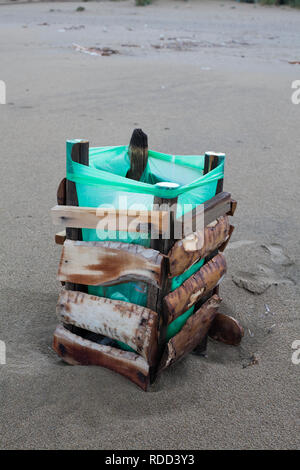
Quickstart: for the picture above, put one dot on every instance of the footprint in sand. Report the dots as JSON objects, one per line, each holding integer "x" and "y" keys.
{"x": 259, "y": 282}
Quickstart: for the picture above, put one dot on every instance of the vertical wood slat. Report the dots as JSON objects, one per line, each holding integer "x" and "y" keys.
{"x": 211, "y": 161}
{"x": 138, "y": 154}
{"x": 80, "y": 154}
{"x": 156, "y": 296}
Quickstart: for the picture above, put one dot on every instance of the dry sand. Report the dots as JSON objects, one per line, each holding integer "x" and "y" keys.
{"x": 223, "y": 85}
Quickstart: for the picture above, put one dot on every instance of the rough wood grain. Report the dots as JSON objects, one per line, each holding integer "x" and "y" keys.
{"x": 60, "y": 237}
{"x": 61, "y": 193}
{"x": 226, "y": 329}
{"x": 191, "y": 334}
{"x": 197, "y": 286}
{"x": 138, "y": 154}
{"x": 198, "y": 245}
{"x": 109, "y": 263}
{"x": 205, "y": 213}
{"x": 90, "y": 217}
{"x": 75, "y": 350}
{"x": 123, "y": 321}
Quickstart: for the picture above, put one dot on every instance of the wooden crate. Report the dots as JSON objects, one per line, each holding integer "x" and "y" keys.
{"x": 87, "y": 321}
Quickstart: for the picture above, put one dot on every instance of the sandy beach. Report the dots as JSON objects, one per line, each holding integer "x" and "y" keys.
{"x": 195, "y": 76}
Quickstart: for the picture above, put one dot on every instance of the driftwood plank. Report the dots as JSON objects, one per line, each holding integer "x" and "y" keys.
{"x": 109, "y": 263}
{"x": 75, "y": 350}
{"x": 191, "y": 334}
{"x": 198, "y": 245}
{"x": 197, "y": 286}
{"x": 133, "y": 325}
{"x": 112, "y": 219}
{"x": 226, "y": 329}
{"x": 205, "y": 213}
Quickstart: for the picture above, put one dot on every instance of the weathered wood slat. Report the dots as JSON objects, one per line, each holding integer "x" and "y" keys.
{"x": 198, "y": 245}
{"x": 226, "y": 329}
{"x": 123, "y": 321}
{"x": 128, "y": 220}
{"x": 75, "y": 350}
{"x": 191, "y": 334}
{"x": 109, "y": 263}
{"x": 60, "y": 237}
{"x": 197, "y": 286}
{"x": 205, "y": 213}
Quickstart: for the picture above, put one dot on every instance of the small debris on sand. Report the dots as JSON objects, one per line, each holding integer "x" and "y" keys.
{"x": 103, "y": 51}
{"x": 252, "y": 361}
{"x": 70, "y": 28}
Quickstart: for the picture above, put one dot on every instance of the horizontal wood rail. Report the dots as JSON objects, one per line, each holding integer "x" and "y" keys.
{"x": 75, "y": 350}
{"x": 133, "y": 325}
{"x": 195, "y": 287}
{"x": 191, "y": 334}
{"x": 110, "y": 219}
{"x": 198, "y": 245}
{"x": 204, "y": 214}
{"x": 109, "y": 263}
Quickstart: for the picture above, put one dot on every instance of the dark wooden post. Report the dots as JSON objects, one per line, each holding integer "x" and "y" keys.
{"x": 80, "y": 154}
{"x": 162, "y": 242}
{"x": 138, "y": 154}
{"x": 211, "y": 161}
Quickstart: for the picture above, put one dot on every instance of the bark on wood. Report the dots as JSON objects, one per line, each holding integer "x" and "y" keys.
{"x": 196, "y": 287}
{"x": 191, "y": 334}
{"x": 123, "y": 321}
{"x": 61, "y": 193}
{"x": 205, "y": 213}
{"x": 198, "y": 245}
{"x": 80, "y": 154}
{"x": 128, "y": 220}
{"x": 60, "y": 237}
{"x": 138, "y": 154}
{"x": 75, "y": 350}
{"x": 226, "y": 329}
{"x": 109, "y": 263}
